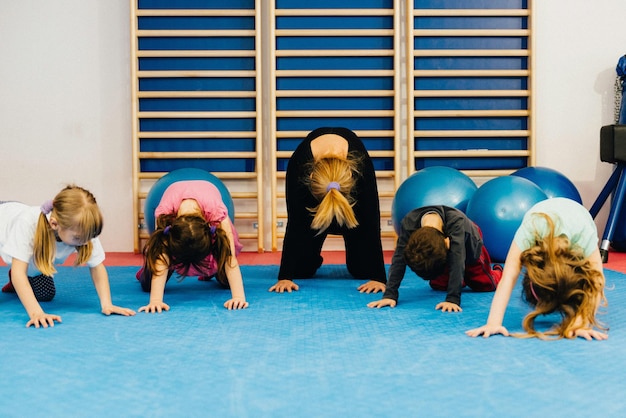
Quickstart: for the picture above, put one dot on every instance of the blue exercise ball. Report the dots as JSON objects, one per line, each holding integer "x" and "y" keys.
{"x": 552, "y": 182}
{"x": 183, "y": 174}
{"x": 498, "y": 207}
{"x": 431, "y": 186}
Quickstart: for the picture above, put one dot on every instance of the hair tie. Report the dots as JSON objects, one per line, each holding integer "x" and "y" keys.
{"x": 212, "y": 230}
{"x": 333, "y": 185}
{"x": 166, "y": 230}
{"x": 46, "y": 208}
{"x": 532, "y": 290}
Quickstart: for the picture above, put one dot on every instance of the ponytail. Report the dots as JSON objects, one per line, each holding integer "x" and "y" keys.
{"x": 44, "y": 246}
{"x": 156, "y": 249}
{"x": 332, "y": 181}
{"x": 221, "y": 252}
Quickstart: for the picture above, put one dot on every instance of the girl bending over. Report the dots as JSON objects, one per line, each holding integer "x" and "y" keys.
{"x": 193, "y": 237}
{"x": 33, "y": 239}
{"x": 557, "y": 245}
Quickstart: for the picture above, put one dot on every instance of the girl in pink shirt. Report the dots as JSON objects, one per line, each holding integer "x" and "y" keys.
{"x": 194, "y": 237}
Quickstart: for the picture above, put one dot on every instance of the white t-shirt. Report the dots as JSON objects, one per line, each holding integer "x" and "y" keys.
{"x": 18, "y": 223}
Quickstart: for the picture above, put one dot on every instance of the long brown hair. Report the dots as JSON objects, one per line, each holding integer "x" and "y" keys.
{"x": 559, "y": 278}
{"x": 186, "y": 241}
{"x": 73, "y": 207}
{"x": 335, "y": 203}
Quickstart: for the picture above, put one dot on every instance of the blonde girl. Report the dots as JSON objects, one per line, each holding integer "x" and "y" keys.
{"x": 557, "y": 246}
{"x": 34, "y": 239}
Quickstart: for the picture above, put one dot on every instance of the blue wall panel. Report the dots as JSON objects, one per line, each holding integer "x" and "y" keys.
{"x": 225, "y": 55}
{"x": 496, "y": 61}
{"x": 363, "y": 71}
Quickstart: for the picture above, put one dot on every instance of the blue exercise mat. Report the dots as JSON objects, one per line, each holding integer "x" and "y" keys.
{"x": 318, "y": 352}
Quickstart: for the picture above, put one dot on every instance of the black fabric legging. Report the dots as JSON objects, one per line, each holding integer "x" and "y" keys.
{"x": 43, "y": 287}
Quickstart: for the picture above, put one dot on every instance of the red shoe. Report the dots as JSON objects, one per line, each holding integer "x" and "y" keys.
{"x": 8, "y": 288}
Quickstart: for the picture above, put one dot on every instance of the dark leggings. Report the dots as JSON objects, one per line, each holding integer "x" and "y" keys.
{"x": 43, "y": 287}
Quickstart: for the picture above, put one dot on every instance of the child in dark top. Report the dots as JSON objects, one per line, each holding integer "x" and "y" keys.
{"x": 441, "y": 245}
{"x": 331, "y": 189}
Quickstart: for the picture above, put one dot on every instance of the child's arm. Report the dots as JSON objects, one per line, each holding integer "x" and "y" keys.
{"x": 100, "y": 279}
{"x": 157, "y": 289}
{"x": 19, "y": 278}
{"x": 233, "y": 273}
{"x": 510, "y": 274}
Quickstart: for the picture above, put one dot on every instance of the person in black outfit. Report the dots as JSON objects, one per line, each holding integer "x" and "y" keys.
{"x": 442, "y": 245}
{"x": 331, "y": 189}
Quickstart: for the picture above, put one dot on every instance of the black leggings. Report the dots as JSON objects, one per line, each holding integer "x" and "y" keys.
{"x": 42, "y": 285}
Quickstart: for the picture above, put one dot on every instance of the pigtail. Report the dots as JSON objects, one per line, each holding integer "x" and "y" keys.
{"x": 83, "y": 253}
{"x": 44, "y": 246}
{"x": 221, "y": 251}
{"x": 156, "y": 248}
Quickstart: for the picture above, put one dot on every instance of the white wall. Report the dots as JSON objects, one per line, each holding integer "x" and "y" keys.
{"x": 577, "y": 45}
{"x": 65, "y": 105}
{"x": 65, "y": 99}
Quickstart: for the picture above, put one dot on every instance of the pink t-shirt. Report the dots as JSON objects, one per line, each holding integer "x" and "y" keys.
{"x": 206, "y": 194}
{"x": 210, "y": 201}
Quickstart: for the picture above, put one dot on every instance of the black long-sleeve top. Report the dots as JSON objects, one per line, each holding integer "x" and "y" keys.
{"x": 301, "y": 244}
{"x": 465, "y": 247}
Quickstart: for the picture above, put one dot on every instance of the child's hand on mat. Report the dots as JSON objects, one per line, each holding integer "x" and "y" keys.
{"x": 448, "y": 307}
{"x": 155, "y": 307}
{"x": 589, "y": 334}
{"x": 371, "y": 287}
{"x": 487, "y": 330}
{"x": 236, "y": 303}
{"x": 381, "y": 303}
{"x": 284, "y": 286}
{"x": 42, "y": 319}
{"x": 118, "y": 310}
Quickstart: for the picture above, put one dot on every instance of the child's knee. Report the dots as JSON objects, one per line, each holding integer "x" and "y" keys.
{"x": 43, "y": 287}
{"x": 439, "y": 283}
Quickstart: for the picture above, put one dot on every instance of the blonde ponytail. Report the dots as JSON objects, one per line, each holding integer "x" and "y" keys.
{"x": 331, "y": 182}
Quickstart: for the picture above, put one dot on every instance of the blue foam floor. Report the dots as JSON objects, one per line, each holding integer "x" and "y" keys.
{"x": 318, "y": 352}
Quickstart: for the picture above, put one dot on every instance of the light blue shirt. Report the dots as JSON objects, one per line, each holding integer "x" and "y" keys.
{"x": 570, "y": 219}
